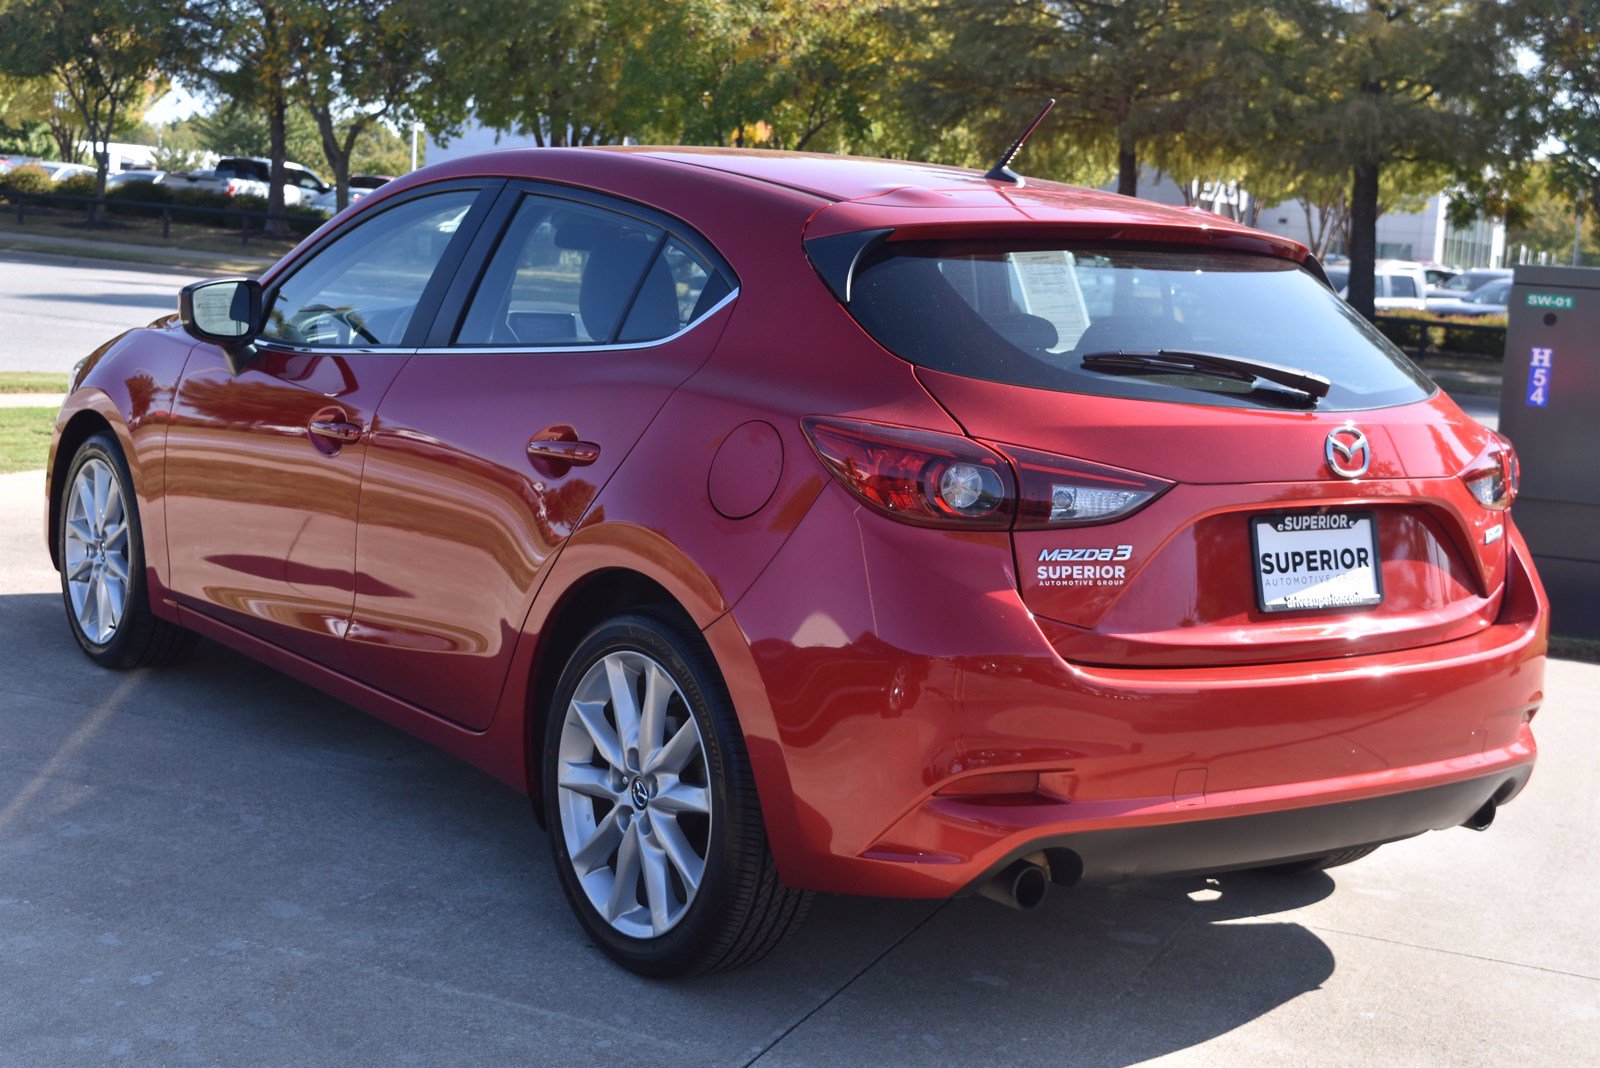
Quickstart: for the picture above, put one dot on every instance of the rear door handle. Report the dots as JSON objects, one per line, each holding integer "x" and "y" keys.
{"x": 336, "y": 430}
{"x": 576, "y": 453}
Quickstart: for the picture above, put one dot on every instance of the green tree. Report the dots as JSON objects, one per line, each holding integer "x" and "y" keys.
{"x": 1428, "y": 87}
{"x": 246, "y": 56}
{"x": 359, "y": 62}
{"x": 103, "y": 57}
{"x": 1130, "y": 76}
{"x": 549, "y": 70}
{"x": 1566, "y": 37}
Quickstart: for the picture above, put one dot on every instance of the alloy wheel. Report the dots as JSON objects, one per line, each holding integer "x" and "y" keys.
{"x": 96, "y": 551}
{"x": 633, "y": 789}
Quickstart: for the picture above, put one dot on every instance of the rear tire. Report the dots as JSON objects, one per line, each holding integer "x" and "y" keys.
{"x": 1322, "y": 863}
{"x": 100, "y": 549}
{"x": 675, "y": 875}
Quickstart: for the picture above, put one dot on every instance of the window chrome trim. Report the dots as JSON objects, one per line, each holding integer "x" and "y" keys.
{"x": 455, "y": 350}
{"x": 274, "y": 345}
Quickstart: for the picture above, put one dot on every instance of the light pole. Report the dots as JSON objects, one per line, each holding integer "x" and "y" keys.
{"x": 416, "y": 132}
{"x": 1577, "y": 233}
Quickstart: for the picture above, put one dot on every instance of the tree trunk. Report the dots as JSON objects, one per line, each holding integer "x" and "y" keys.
{"x": 1363, "y": 237}
{"x": 337, "y": 154}
{"x": 277, "y": 108}
{"x": 1127, "y": 166}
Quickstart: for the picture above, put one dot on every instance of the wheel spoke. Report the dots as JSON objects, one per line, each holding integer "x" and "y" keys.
{"x": 78, "y": 527}
{"x": 117, "y": 567}
{"x": 116, "y": 597}
{"x": 113, "y": 508}
{"x": 625, "y": 887}
{"x": 676, "y": 754}
{"x": 102, "y": 489}
{"x": 85, "y": 497}
{"x": 657, "y": 891}
{"x": 691, "y": 867}
{"x": 598, "y": 849}
{"x": 592, "y": 714}
{"x": 76, "y": 572}
{"x": 116, "y": 535}
{"x": 102, "y": 604}
{"x": 588, "y": 780}
{"x": 658, "y": 691}
{"x": 624, "y": 706}
{"x": 683, "y": 797}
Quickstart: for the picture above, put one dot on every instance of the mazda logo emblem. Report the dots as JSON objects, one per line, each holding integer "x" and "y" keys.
{"x": 1348, "y": 452}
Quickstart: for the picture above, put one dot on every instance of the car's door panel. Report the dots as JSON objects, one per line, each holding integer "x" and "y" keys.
{"x": 459, "y": 515}
{"x": 262, "y": 511}
{"x": 266, "y": 449}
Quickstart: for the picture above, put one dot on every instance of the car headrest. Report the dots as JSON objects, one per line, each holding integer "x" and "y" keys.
{"x": 609, "y": 276}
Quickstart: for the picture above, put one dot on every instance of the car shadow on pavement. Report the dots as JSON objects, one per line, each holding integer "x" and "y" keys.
{"x": 241, "y": 833}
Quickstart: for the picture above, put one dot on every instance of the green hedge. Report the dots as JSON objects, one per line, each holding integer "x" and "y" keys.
{"x": 1426, "y": 332}
{"x": 26, "y": 179}
{"x": 149, "y": 199}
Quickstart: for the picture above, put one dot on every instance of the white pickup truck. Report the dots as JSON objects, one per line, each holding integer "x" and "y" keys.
{"x": 235, "y": 176}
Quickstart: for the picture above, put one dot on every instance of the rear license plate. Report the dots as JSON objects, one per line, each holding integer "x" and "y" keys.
{"x": 1311, "y": 561}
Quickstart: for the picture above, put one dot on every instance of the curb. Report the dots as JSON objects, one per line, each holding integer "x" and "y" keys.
{"x": 76, "y": 252}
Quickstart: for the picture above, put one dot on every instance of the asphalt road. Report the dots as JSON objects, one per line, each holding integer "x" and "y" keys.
{"x": 54, "y": 312}
{"x": 213, "y": 864}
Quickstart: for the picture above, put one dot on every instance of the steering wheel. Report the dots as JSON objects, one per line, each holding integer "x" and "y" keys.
{"x": 349, "y": 326}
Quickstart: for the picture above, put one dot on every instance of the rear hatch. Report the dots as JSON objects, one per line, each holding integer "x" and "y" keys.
{"x": 1282, "y": 524}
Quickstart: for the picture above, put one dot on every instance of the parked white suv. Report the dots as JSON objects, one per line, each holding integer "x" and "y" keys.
{"x": 1400, "y": 285}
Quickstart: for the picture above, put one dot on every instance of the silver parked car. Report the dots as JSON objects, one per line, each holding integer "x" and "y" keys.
{"x": 1489, "y": 299}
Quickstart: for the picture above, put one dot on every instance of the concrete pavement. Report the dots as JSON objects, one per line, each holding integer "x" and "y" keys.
{"x": 213, "y": 864}
{"x": 54, "y": 312}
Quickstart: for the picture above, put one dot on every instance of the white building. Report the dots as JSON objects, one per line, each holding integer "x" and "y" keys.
{"x": 1425, "y": 235}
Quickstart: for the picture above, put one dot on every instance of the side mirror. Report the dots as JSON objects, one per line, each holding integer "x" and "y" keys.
{"x": 223, "y": 311}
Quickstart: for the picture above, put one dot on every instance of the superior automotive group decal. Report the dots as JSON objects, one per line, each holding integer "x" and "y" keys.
{"x": 1060, "y": 567}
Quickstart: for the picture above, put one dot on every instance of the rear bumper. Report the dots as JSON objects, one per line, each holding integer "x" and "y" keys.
{"x": 874, "y": 666}
{"x": 1213, "y": 845}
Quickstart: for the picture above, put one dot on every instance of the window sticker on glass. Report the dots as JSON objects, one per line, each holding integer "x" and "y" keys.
{"x": 1049, "y": 284}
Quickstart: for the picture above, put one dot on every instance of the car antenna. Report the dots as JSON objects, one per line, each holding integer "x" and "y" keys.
{"x": 1001, "y": 171}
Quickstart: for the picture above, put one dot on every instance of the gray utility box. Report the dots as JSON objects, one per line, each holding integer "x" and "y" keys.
{"x": 1550, "y": 409}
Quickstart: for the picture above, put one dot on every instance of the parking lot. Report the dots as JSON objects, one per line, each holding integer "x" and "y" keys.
{"x": 213, "y": 864}
{"x": 216, "y": 865}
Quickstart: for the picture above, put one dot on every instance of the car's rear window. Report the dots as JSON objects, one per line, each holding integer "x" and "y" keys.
{"x": 1028, "y": 314}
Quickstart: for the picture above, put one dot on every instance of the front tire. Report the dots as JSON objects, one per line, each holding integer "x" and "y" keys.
{"x": 654, "y": 823}
{"x": 100, "y": 547}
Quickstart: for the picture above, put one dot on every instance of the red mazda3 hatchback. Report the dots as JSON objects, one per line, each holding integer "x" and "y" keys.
{"x": 786, "y": 523}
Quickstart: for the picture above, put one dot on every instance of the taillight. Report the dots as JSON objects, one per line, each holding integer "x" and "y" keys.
{"x": 1494, "y": 475}
{"x": 919, "y": 476}
{"x": 1060, "y": 492}
{"x": 945, "y": 480}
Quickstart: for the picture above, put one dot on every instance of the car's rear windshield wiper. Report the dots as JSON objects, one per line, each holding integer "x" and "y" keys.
{"x": 1180, "y": 361}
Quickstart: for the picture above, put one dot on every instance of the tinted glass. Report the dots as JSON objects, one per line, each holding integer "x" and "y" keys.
{"x": 563, "y": 274}
{"x": 1338, "y": 277}
{"x": 362, "y": 289}
{"x": 1029, "y": 314}
{"x": 1493, "y": 293}
{"x": 1402, "y": 285}
{"x": 677, "y": 288}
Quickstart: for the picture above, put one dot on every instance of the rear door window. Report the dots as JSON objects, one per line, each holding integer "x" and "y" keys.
{"x": 567, "y": 274}
{"x": 1029, "y": 314}
{"x": 1402, "y": 285}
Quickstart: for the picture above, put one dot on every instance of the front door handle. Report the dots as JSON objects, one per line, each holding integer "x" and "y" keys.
{"x": 336, "y": 430}
{"x": 576, "y": 453}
